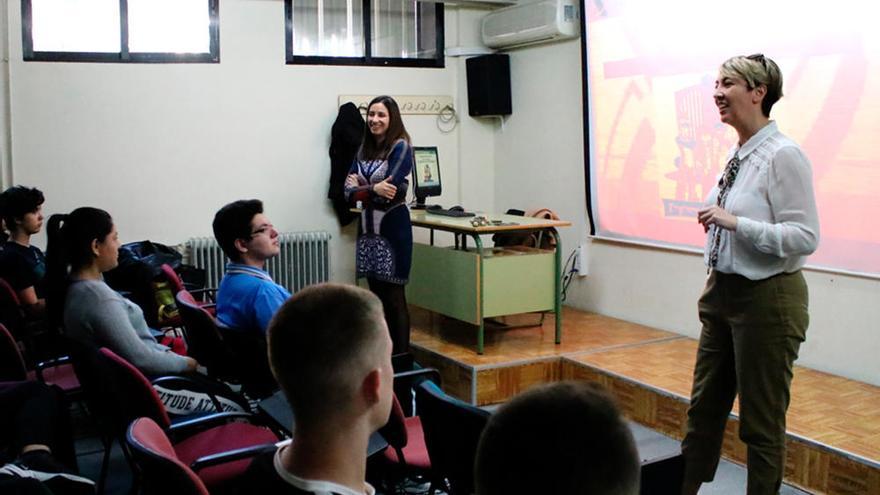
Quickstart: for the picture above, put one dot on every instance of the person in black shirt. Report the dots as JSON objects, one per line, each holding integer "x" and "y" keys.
{"x": 22, "y": 265}
{"x": 330, "y": 351}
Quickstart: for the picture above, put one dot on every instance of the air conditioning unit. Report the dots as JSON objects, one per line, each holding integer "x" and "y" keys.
{"x": 529, "y": 23}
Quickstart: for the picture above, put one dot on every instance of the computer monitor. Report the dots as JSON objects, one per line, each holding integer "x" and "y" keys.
{"x": 426, "y": 174}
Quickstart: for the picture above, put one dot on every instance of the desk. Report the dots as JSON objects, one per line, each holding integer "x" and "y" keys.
{"x": 279, "y": 411}
{"x": 473, "y": 284}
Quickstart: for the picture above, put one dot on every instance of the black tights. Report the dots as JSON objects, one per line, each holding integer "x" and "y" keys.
{"x": 393, "y": 297}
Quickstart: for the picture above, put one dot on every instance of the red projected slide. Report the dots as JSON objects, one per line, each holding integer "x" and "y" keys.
{"x": 657, "y": 145}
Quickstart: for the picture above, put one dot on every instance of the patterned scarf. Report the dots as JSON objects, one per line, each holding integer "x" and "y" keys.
{"x": 724, "y": 185}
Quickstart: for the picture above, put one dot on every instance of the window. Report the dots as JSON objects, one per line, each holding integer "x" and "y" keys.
{"x": 407, "y": 33}
{"x": 120, "y": 30}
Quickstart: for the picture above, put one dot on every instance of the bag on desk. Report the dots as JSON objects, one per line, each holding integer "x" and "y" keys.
{"x": 534, "y": 239}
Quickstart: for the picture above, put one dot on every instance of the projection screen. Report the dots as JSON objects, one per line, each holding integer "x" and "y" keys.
{"x": 656, "y": 145}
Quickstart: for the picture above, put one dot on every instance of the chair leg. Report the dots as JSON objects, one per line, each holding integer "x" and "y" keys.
{"x": 105, "y": 463}
{"x": 135, "y": 472}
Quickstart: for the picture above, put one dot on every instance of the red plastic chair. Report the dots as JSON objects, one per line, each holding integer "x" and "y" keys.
{"x": 202, "y": 297}
{"x": 158, "y": 462}
{"x": 53, "y": 372}
{"x": 120, "y": 393}
{"x": 162, "y": 471}
{"x": 407, "y": 454}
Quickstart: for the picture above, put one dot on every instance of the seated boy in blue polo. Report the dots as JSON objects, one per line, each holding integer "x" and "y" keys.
{"x": 248, "y": 297}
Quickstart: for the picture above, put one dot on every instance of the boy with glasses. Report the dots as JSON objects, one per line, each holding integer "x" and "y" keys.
{"x": 247, "y": 297}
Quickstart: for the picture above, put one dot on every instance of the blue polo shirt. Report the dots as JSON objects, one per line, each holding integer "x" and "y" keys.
{"x": 248, "y": 298}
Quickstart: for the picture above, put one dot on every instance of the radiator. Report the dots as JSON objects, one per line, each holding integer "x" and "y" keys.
{"x": 304, "y": 259}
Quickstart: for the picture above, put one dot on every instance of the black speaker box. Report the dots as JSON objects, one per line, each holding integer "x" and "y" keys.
{"x": 488, "y": 85}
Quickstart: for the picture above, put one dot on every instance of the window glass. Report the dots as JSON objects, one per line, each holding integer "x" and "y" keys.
{"x": 401, "y": 32}
{"x": 75, "y": 26}
{"x": 332, "y": 28}
{"x": 174, "y": 26}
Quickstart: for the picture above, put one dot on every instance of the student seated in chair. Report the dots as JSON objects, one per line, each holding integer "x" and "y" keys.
{"x": 22, "y": 265}
{"x": 331, "y": 353}
{"x": 565, "y": 438}
{"x": 247, "y": 297}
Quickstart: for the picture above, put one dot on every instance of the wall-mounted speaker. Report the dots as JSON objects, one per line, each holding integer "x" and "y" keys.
{"x": 488, "y": 85}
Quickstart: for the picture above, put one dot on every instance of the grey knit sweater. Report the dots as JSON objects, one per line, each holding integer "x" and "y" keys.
{"x": 95, "y": 313}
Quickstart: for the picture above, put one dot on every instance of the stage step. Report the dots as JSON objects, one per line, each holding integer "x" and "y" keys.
{"x": 833, "y": 423}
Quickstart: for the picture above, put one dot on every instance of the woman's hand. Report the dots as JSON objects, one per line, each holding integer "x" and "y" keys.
{"x": 385, "y": 189}
{"x": 716, "y": 215}
{"x": 351, "y": 181}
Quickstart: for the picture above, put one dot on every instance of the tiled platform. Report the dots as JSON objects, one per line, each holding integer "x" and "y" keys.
{"x": 833, "y": 423}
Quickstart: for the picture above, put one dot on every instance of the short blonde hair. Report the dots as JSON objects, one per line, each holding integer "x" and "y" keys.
{"x": 320, "y": 340}
{"x": 756, "y": 70}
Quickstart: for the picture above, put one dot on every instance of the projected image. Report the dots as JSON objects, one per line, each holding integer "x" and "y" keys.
{"x": 657, "y": 145}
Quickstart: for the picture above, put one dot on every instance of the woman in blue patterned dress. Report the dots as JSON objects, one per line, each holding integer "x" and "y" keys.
{"x": 379, "y": 180}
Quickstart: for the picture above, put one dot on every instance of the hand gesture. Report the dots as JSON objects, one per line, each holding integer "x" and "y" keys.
{"x": 385, "y": 189}
{"x": 716, "y": 215}
{"x": 351, "y": 180}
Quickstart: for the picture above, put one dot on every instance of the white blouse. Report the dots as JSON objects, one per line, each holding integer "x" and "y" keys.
{"x": 772, "y": 198}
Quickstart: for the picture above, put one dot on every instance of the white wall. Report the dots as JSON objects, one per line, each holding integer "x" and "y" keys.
{"x": 539, "y": 163}
{"x": 163, "y": 146}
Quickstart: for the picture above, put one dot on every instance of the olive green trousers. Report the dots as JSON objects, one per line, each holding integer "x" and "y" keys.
{"x": 751, "y": 334}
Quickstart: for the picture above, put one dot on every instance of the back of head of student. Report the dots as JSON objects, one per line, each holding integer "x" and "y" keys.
{"x": 565, "y": 438}
{"x": 330, "y": 351}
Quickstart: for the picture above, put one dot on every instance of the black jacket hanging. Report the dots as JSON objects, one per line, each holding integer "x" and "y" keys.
{"x": 345, "y": 139}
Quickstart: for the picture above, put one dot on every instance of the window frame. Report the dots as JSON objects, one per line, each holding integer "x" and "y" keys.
{"x": 368, "y": 60}
{"x": 124, "y": 55}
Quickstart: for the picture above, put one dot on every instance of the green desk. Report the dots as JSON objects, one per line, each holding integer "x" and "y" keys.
{"x": 471, "y": 284}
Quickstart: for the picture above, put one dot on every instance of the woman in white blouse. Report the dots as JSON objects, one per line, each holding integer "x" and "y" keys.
{"x": 761, "y": 223}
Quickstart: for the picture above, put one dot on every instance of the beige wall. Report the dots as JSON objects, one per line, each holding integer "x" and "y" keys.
{"x": 163, "y": 146}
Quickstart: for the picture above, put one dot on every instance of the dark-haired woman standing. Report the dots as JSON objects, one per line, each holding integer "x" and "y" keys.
{"x": 379, "y": 179}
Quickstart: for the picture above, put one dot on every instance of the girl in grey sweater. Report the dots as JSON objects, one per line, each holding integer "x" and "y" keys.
{"x": 82, "y": 246}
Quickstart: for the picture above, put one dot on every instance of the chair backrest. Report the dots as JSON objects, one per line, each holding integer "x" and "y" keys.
{"x": 12, "y": 367}
{"x": 452, "y": 431}
{"x": 11, "y": 313}
{"x": 249, "y": 349}
{"x": 115, "y": 390}
{"x": 394, "y": 431}
{"x": 174, "y": 282}
{"x": 162, "y": 472}
{"x": 204, "y": 341}
{"x": 134, "y": 391}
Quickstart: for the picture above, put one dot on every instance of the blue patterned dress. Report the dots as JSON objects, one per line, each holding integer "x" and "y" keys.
{"x": 384, "y": 245}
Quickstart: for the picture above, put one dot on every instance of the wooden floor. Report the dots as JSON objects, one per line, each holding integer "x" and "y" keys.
{"x": 833, "y": 423}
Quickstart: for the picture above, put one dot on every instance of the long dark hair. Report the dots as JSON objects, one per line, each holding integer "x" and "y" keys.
{"x": 69, "y": 248}
{"x": 370, "y": 149}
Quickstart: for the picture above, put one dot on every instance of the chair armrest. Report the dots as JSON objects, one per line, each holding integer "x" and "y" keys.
{"x": 431, "y": 374}
{"x": 50, "y": 363}
{"x": 403, "y": 361}
{"x": 209, "y": 292}
{"x": 232, "y": 455}
{"x": 186, "y": 427}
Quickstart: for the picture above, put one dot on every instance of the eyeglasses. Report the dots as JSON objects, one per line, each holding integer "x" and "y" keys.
{"x": 264, "y": 229}
{"x": 761, "y": 59}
